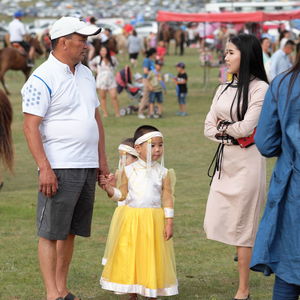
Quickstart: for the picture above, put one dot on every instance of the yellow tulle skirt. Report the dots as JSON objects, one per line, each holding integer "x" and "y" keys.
{"x": 137, "y": 258}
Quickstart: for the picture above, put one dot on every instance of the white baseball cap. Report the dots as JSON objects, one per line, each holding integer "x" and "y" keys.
{"x": 68, "y": 25}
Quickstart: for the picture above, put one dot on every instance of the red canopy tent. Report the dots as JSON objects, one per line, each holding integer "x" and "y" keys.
{"x": 227, "y": 17}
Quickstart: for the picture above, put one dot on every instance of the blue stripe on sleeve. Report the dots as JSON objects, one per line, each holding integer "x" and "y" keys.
{"x": 44, "y": 83}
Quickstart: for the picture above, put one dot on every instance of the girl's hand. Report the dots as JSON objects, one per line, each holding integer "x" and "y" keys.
{"x": 103, "y": 181}
{"x": 111, "y": 179}
{"x": 168, "y": 229}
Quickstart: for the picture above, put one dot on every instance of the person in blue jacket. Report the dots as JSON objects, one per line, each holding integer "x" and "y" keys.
{"x": 277, "y": 245}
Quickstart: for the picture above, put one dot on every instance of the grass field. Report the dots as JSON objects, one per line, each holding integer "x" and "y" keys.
{"x": 205, "y": 268}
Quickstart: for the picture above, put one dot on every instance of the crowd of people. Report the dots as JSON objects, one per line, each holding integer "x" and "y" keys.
{"x": 102, "y": 60}
{"x": 250, "y": 117}
{"x": 211, "y": 47}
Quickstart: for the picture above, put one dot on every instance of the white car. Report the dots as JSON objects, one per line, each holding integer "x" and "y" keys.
{"x": 115, "y": 29}
{"x": 143, "y": 29}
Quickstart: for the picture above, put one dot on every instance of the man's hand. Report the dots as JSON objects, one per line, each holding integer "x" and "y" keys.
{"x": 48, "y": 184}
{"x": 168, "y": 229}
{"x": 102, "y": 171}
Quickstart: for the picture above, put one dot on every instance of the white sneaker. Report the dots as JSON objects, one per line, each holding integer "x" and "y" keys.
{"x": 141, "y": 116}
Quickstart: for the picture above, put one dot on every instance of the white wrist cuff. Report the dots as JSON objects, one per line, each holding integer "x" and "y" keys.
{"x": 169, "y": 212}
{"x": 117, "y": 195}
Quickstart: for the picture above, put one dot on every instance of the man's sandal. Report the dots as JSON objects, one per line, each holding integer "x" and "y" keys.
{"x": 70, "y": 296}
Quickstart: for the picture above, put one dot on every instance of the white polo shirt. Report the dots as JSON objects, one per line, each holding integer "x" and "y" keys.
{"x": 16, "y": 31}
{"x": 67, "y": 104}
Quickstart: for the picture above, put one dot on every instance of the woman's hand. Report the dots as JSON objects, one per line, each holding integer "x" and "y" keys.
{"x": 222, "y": 125}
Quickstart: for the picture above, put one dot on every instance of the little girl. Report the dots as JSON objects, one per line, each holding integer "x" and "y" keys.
{"x": 104, "y": 65}
{"x": 141, "y": 256}
{"x": 161, "y": 51}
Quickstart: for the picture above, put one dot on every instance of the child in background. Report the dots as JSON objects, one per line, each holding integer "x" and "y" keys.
{"x": 181, "y": 88}
{"x": 141, "y": 257}
{"x": 161, "y": 51}
{"x": 156, "y": 86}
{"x": 151, "y": 40}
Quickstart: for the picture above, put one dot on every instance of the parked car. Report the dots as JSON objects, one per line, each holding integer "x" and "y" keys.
{"x": 39, "y": 28}
{"x": 143, "y": 29}
{"x": 115, "y": 29}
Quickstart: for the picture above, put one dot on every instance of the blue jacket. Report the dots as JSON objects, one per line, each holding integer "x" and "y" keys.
{"x": 277, "y": 245}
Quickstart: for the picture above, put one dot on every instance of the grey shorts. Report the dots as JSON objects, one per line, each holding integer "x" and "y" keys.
{"x": 70, "y": 210}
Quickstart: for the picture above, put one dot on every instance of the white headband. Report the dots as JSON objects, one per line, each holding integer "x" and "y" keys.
{"x": 128, "y": 150}
{"x": 147, "y": 136}
{"x": 124, "y": 149}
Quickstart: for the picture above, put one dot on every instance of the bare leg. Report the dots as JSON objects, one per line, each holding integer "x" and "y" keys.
{"x": 160, "y": 108}
{"x": 145, "y": 98}
{"x": 47, "y": 259}
{"x": 133, "y": 62}
{"x": 64, "y": 250}
{"x": 102, "y": 94}
{"x": 151, "y": 109}
{"x": 182, "y": 107}
{"x": 115, "y": 102}
{"x": 244, "y": 257}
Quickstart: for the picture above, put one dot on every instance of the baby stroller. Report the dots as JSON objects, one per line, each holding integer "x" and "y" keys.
{"x": 134, "y": 90}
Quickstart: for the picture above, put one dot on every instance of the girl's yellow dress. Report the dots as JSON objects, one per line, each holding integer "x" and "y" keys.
{"x": 137, "y": 257}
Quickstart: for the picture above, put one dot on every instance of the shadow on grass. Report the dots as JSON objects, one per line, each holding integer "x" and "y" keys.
{"x": 117, "y": 297}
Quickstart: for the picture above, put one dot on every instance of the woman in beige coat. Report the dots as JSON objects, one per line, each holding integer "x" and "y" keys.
{"x": 238, "y": 185}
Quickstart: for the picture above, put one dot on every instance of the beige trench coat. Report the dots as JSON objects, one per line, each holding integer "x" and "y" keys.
{"x": 236, "y": 198}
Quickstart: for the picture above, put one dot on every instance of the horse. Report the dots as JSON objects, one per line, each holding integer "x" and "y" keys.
{"x": 166, "y": 33}
{"x": 180, "y": 39}
{"x": 6, "y": 147}
{"x": 121, "y": 43}
{"x": 111, "y": 44}
{"x": 13, "y": 59}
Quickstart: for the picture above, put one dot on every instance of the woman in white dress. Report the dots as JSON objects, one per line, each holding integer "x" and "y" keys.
{"x": 238, "y": 185}
{"x": 104, "y": 65}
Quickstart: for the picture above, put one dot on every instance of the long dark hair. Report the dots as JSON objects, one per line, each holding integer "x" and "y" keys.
{"x": 6, "y": 116}
{"x": 108, "y": 56}
{"x": 251, "y": 66}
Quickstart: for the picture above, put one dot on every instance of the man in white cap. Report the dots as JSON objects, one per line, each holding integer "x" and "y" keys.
{"x": 65, "y": 135}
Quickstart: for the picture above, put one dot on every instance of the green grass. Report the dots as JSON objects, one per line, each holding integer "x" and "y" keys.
{"x": 205, "y": 268}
